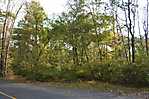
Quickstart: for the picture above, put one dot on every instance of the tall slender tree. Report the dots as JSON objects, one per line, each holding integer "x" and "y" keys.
{"x": 9, "y": 16}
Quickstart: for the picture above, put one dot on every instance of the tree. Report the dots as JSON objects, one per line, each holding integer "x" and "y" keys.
{"x": 76, "y": 27}
{"x": 31, "y": 38}
{"x": 145, "y": 27}
{"x": 8, "y": 17}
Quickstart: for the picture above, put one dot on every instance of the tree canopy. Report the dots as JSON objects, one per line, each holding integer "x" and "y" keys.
{"x": 89, "y": 41}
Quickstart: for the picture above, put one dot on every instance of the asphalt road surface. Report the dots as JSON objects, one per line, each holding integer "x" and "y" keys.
{"x": 28, "y": 91}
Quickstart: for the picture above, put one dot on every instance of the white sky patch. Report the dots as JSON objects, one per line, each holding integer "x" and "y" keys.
{"x": 53, "y": 6}
{"x": 56, "y": 7}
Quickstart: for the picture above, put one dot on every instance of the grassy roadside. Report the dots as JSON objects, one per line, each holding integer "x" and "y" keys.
{"x": 96, "y": 86}
{"x": 101, "y": 86}
{"x": 88, "y": 85}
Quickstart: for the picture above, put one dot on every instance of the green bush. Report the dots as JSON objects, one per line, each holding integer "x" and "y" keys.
{"x": 105, "y": 72}
{"x": 137, "y": 74}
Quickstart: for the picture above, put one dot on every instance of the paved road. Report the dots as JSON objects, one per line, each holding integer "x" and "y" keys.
{"x": 28, "y": 91}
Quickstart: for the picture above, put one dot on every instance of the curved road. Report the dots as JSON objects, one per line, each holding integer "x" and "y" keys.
{"x": 28, "y": 91}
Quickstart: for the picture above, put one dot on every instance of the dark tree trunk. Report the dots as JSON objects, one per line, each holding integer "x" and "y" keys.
{"x": 75, "y": 56}
{"x": 146, "y": 43}
{"x": 146, "y": 34}
{"x": 131, "y": 32}
{"x": 133, "y": 48}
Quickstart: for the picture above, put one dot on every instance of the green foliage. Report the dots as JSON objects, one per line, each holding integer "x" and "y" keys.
{"x": 78, "y": 45}
{"x": 124, "y": 73}
{"x": 135, "y": 74}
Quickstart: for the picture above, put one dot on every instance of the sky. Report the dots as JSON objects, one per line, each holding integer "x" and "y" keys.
{"x": 53, "y": 6}
{"x": 56, "y": 7}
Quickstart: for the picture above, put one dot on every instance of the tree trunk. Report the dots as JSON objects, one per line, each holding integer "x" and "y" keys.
{"x": 75, "y": 56}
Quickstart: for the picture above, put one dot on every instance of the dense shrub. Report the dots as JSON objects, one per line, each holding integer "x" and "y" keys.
{"x": 137, "y": 74}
